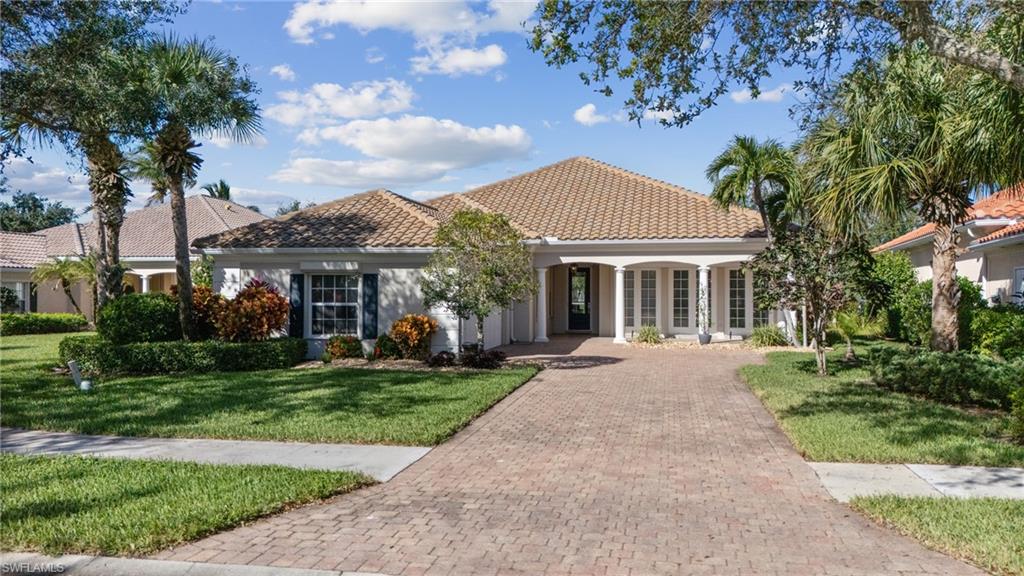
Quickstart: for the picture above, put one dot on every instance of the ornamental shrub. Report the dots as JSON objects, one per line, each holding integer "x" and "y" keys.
{"x": 1017, "y": 414}
{"x": 894, "y": 273}
{"x": 384, "y": 348}
{"x": 951, "y": 377}
{"x": 916, "y": 312}
{"x": 473, "y": 357}
{"x": 768, "y": 335}
{"x": 647, "y": 334}
{"x": 442, "y": 359}
{"x": 344, "y": 347}
{"x": 256, "y": 313}
{"x": 40, "y": 323}
{"x": 999, "y": 332}
{"x": 99, "y": 356}
{"x": 412, "y": 333}
{"x": 206, "y": 304}
{"x": 150, "y": 317}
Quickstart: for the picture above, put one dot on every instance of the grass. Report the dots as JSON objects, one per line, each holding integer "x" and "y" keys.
{"x": 310, "y": 404}
{"x": 70, "y": 504}
{"x": 987, "y": 532}
{"x": 843, "y": 418}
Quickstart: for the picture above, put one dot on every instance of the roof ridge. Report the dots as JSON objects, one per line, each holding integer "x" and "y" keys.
{"x": 523, "y": 229}
{"x": 503, "y": 180}
{"x": 79, "y": 237}
{"x": 403, "y": 203}
{"x": 206, "y": 202}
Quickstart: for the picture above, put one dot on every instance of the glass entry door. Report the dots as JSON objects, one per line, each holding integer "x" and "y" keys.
{"x": 579, "y": 298}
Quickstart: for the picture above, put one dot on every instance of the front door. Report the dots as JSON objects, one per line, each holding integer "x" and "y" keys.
{"x": 579, "y": 298}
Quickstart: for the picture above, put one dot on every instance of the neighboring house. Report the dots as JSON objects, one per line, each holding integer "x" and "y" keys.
{"x": 613, "y": 250}
{"x": 146, "y": 250}
{"x": 991, "y": 243}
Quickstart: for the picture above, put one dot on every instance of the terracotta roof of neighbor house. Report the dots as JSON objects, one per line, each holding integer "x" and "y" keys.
{"x": 1003, "y": 233}
{"x": 1006, "y": 203}
{"x": 145, "y": 233}
{"x": 378, "y": 219}
{"x": 21, "y": 250}
{"x": 584, "y": 199}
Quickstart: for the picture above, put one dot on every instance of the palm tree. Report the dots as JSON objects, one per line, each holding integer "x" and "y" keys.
{"x": 145, "y": 166}
{"x": 221, "y": 190}
{"x": 760, "y": 175}
{"x": 918, "y": 136}
{"x": 203, "y": 90}
{"x": 64, "y": 273}
{"x": 852, "y": 323}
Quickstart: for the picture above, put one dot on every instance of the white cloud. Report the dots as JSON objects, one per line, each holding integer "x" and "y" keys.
{"x": 328, "y": 102}
{"x": 284, "y": 72}
{"x": 223, "y": 141}
{"x": 410, "y": 149}
{"x": 267, "y": 200}
{"x": 774, "y": 95}
{"x": 588, "y": 116}
{"x": 658, "y": 115}
{"x": 53, "y": 183}
{"x": 374, "y": 55}
{"x": 458, "y": 61}
{"x": 422, "y": 195}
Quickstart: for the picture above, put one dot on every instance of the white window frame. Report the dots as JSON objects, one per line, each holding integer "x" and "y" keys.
{"x": 745, "y": 316}
{"x": 658, "y": 297}
{"x": 308, "y": 304}
{"x": 691, "y": 296}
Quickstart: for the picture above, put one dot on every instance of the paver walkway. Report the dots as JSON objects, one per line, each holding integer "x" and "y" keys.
{"x": 379, "y": 462}
{"x": 615, "y": 460}
{"x": 848, "y": 480}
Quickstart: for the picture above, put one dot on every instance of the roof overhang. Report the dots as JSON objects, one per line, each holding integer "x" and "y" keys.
{"x": 554, "y": 241}
{"x": 335, "y": 250}
{"x": 1006, "y": 241}
{"x": 968, "y": 226}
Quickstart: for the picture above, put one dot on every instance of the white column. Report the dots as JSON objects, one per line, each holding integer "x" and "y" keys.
{"x": 703, "y": 312}
{"x": 620, "y": 305}
{"x": 542, "y": 306}
{"x": 145, "y": 282}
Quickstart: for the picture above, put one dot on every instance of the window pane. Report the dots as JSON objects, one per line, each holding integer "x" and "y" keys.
{"x": 737, "y": 299}
{"x": 680, "y": 298}
{"x": 334, "y": 303}
{"x": 630, "y": 300}
{"x": 648, "y": 297}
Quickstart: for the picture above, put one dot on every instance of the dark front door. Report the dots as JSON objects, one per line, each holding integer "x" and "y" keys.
{"x": 579, "y": 298}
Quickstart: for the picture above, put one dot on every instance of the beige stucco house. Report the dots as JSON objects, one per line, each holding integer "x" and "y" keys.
{"x": 991, "y": 244}
{"x": 146, "y": 247}
{"x": 613, "y": 250}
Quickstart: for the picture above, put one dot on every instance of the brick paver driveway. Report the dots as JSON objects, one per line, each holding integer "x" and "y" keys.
{"x": 616, "y": 460}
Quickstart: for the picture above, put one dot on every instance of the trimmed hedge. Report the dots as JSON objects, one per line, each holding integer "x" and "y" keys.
{"x": 151, "y": 317}
{"x": 1017, "y": 414}
{"x": 999, "y": 331}
{"x": 40, "y": 323}
{"x": 98, "y": 356}
{"x": 950, "y": 377}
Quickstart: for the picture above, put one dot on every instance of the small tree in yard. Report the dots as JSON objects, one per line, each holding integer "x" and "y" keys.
{"x": 807, "y": 267}
{"x": 481, "y": 265}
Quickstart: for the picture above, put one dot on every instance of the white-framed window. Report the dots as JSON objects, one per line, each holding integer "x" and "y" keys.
{"x": 648, "y": 297}
{"x": 680, "y": 298}
{"x": 334, "y": 304}
{"x": 629, "y": 278}
{"x": 761, "y": 317}
{"x": 20, "y": 289}
{"x": 737, "y": 299}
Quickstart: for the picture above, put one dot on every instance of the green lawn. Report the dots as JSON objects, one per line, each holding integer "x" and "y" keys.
{"x": 843, "y": 418}
{"x": 987, "y": 532}
{"x": 311, "y": 404}
{"x": 69, "y": 504}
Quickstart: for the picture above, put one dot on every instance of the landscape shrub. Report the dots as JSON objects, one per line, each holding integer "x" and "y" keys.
{"x": 206, "y": 304}
{"x": 894, "y": 273}
{"x": 647, "y": 334}
{"x": 768, "y": 335}
{"x": 96, "y": 355}
{"x": 442, "y": 359}
{"x": 473, "y": 357}
{"x": 412, "y": 333}
{"x": 951, "y": 377}
{"x": 1017, "y": 414}
{"x": 344, "y": 347}
{"x": 151, "y": 317}
{"x": 385, "y": 348}
{"x": 916, "y": 311}
{"x": 40, "y": 323}
{"x": 254, "y": 314}
{"x": 999, "y": 331}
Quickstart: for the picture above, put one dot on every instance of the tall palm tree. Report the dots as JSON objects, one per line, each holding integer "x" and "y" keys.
{"x": 64, "y": 273}
{"x": 221, "y": 190}
{"x": 760, "y": 175}
{"x": 146, "y": 166}
{"x": 201, "y": 90}
{"x": 916, "y": 135}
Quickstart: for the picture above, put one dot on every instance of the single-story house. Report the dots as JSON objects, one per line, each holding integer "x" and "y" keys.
{"x": 991, "y": 246}
{"x": 146, "y": 249}
{"x": 613, "y": 250}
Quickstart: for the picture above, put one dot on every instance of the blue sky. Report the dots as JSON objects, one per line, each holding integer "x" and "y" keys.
{"x": 419, "y": 98}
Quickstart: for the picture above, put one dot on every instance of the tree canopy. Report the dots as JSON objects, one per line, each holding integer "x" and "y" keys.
{"x": 29, "y": 212}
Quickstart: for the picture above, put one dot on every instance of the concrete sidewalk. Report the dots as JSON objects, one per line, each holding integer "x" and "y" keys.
{"x": 380, "y": 462}
{"x": 12, "y": 564}
{"x": 845, "y": 481}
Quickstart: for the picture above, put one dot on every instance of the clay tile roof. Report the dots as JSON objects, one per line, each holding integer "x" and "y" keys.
{"x": 1014, "y": 230}
{"x": 584, "y": 199}
{"x": 1006, "y": 203}
{"x": 378, "y": 218}
{"x": 20, "y": 250}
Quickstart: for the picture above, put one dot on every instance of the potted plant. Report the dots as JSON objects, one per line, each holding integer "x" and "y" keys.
{"x": 703, "y": 316}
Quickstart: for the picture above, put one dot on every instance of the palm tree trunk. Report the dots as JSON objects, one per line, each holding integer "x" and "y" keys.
{"x": 759, "y": 202}
{"x": 182, "y": 264}
{"x": 480, "y": 333}
{"x": 67, "y": 292}
{"x": 109, "y": 190}
{"x": 945, "y": 290}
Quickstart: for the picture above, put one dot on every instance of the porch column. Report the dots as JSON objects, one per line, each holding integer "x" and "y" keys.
{"x": 703, "y": 310}
{"x": 620, "y": 305}
{"x": 542, "y": 306}
{"x": 145, "y": 282}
